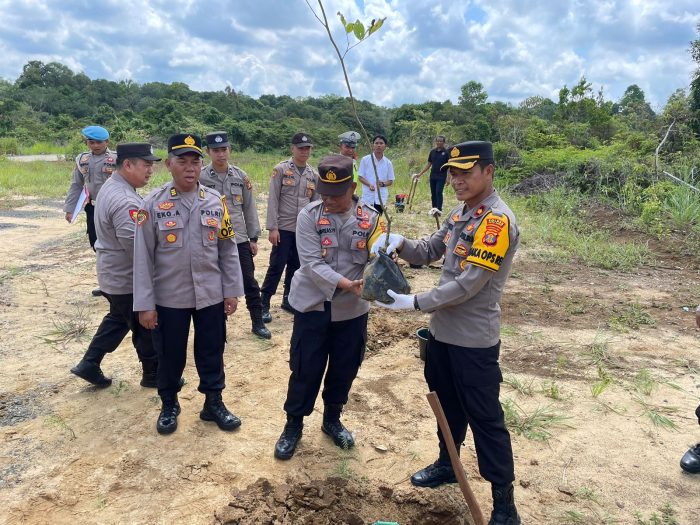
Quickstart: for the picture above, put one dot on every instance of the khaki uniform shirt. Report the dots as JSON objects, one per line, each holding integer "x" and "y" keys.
{"x": 479, "y": 245}
{"x": 91, "y": 171}
{"x": 184, "y": 258}
{"x": 238, "y": 190}
{"x": 289, "y": 193}
{"x": 115, "y": 223}
{"x": 330, "y": 248}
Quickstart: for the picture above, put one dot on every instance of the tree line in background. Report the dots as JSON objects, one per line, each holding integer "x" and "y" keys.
{"x": 50, "y": 103}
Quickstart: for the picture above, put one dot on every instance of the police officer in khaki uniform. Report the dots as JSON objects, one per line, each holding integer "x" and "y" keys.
{"x": 115, "y": 222}
{"x": 92, "y": 169}
{"x": 330, "y": 324}
{"x": 292, "y": 186}
{"x": 186, "y": 268}
{"x": 233, "y": 183}
{"x": 478, "y": 240}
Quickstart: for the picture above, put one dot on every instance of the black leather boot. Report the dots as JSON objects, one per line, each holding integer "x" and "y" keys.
{"x": 149, "y": 378}
{"x": 690, "y": 462}
{"x": 335, "y": 429}
{"x": 285, "y": 303}
{"x": 434, "y": 475}
{"x": 259, "y": 328}
{"x": 215, "y": 410}
{"x": 288, "y": 441}
{"x": 266, "y": 315}
{"x": 504, "y": 511}
{"x": 167, "y": 419}
{"x": 92, "y": 373}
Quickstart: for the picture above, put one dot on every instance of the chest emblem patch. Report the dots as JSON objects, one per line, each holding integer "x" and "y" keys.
{"x": 171, "y": 237}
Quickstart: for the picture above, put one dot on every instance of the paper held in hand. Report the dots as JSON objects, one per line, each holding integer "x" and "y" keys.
{"x": 82, "y": 199}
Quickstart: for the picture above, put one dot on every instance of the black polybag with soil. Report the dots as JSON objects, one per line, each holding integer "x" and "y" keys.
{"x": 380, "y": 275}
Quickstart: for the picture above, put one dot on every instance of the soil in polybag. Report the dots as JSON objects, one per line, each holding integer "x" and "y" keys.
{"x": 383, "y": 274}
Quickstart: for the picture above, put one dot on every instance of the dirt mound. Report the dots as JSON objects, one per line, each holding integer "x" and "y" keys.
{"x": 538, "y": 183}
{"x": 341, "y": 501}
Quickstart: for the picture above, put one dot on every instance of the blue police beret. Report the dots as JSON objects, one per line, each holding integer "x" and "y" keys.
{"x": 95, "y": 133}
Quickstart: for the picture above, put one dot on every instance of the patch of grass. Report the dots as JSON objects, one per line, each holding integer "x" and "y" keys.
{"x": 57, "y": 421}
{"x": 119, "y": 388}
{"x": 507, "y": 329}
{"x": 657, "y": 414}
{"x": 598, "y": 351}
{"x": 574, "y": 516}
{"x": 535, "y": 425}
{"x": 631, "y": 317}
{"x": 603, "y": 382}
{"x": 522, "y": 386}
{"x": 588, "y": 494}
{"x": 551, "y": 390}
{"x": 72, "y": 328}
{"x": 667, "y": 517}
{"x": 644, "y": 382}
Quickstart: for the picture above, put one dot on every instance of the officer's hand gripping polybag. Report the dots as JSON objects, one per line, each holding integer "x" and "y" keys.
{"x": 380, "y": 275}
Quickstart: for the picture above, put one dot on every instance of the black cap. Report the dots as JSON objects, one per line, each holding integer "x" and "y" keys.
{"x": 217, "y": 139}
{"x": 334, "y": 175}
{"x": 465, "y": 154}
{"x": 185, "y": 143}
{"x": 301, "y": 140}
{"x": 136, "y": 150}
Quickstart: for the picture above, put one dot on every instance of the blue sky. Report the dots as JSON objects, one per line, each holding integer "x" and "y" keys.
{"x": 426, "y": 50}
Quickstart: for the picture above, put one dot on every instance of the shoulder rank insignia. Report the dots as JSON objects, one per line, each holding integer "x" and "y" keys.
{"x": 173, "y": 192}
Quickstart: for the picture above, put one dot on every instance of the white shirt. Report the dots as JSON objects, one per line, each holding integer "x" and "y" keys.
{"x": 385, "y": 171}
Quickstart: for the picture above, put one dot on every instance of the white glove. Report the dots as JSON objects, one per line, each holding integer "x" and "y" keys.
{"x": 401, "y": 302}
{"x": 434, "y": 211}
{"x": 415, "y": 176}
{"x": 395, "y": 240}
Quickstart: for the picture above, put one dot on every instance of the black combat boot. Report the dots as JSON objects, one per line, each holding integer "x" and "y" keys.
{"x": 690, "y": 462}
{"x": 259, "y": 328}
{"x": 167, "y": 419}
{"x": 149, "y": 378}
{"x": 285, "y": 302}
{"x": 334, "y": 428}
{"x": 215, "y": 410}
{"x": 89, "y": 370}
{"x": 436, "y": 474}
{"x": 266, "y": 315}
{"x": 288, "y": 441}
{"x": 504, "y": 511}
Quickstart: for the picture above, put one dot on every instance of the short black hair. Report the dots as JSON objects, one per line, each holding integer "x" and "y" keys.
{"x": 380, "y": 136}
{"x": 441, "y": 137}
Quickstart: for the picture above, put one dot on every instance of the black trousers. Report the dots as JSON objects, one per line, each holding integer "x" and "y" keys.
{"x": 90, "y": 220}
{"x": 170, "y": 341}
{"x": 251, "y": 288}
{"x": 114, "y": 327}
{"x": 437, "y": 186}
{"x": 467, "y": 382}
{"x": 284, "y": 254}
{"x": 319, "y": 345}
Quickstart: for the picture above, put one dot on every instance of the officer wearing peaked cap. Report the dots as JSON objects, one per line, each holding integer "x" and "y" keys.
{"x": 233, "y": 183}
{"x": 115, "y": 223}
{"x": 330, "y": 324}
{"x": 186, "y": 269}
{"x": 292, "y": 186}
{"x": 479, "y": 240}
{"x": 92, "y": 169}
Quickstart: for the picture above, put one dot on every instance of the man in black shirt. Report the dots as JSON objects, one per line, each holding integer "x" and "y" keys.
{"x": 438, "y": 175}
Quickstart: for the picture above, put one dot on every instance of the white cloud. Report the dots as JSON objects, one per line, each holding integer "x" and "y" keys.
{"x": 426, "y": 50}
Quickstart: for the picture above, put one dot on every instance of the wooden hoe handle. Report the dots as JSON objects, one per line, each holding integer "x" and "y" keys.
{"x": 473, "y": 505}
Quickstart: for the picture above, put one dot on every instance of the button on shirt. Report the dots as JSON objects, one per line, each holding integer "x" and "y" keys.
{"x": 385, "y": 172}
{"x": 91, "y": 171}
{"x": 184, "y": 253}
{"x": 115, "y": 223}
{"x": 479, "y": 245}
{"x": 331, "y": 248}
{"x": 289, "y": 192}
{"x": 238, "y": 190}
